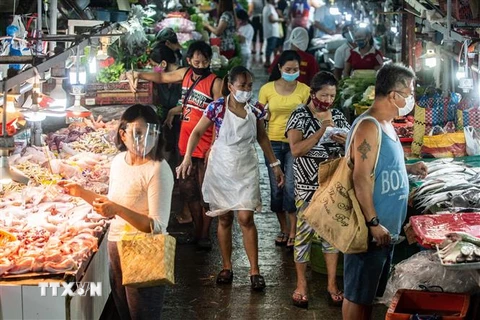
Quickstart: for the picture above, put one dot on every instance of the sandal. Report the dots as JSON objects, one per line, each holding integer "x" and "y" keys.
{"x": 299, "y": 300}
{"x": 225, "y": 277}
{"x": 282, "y": 239}
{"x": 335, "y": 299}
{"x": 258, "y": 282}
{"x": 290, "y": 243}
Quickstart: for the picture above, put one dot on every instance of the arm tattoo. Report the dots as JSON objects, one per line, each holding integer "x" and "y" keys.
{"x": 364, "y": 148}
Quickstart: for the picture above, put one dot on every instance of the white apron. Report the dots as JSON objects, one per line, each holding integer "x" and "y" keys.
{"x": 232, "y": 178}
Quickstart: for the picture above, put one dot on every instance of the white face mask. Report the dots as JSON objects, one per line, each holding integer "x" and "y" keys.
{"x": 409, "y": 105}
{"x": 242, "y": 96}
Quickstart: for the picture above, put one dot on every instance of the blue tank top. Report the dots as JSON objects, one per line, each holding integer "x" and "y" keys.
{"x": 390, "y": 193}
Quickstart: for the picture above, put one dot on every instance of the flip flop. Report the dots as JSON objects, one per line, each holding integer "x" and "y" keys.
{"x": 299, "y": 300}
{"x": 258, "y": 282}
{"x": 335, "y": 299}
{"x": 225, "y": 277}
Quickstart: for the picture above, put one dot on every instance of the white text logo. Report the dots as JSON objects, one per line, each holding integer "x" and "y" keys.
{"x": 71, "y": 289}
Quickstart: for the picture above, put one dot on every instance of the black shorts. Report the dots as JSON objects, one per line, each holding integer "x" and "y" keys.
{"x": 257, "y": 29}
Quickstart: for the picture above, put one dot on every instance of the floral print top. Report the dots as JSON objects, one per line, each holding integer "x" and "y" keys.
{"x": 215, "y": 111}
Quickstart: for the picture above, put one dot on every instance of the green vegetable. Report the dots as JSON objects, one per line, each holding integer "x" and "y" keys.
{"x": 111, "y": 73}
{"x": 198, "y": 22}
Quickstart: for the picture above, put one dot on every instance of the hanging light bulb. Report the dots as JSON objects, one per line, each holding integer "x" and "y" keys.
{"x": 10, "y": 106}
{"x": 58, "y": 94}
{"x": 430, "y": 57}
{"x": 461, "y": 74}
{"x": 78, "y": 76}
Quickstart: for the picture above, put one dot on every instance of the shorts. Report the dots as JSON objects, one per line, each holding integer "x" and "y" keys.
{"x": 257, "y": 28}
{"x": 304, "y": 237}
{"x": 365, "y": 275}
{"x": 282, "y": 199}
{"x": 191, "y": 187}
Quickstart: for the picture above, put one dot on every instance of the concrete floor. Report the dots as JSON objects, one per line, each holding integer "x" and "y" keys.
{"x": 196, "y": 295}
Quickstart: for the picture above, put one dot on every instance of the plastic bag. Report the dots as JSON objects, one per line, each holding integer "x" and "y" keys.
{"x": 424, "y": 268}
{"x": 472, "y": 139}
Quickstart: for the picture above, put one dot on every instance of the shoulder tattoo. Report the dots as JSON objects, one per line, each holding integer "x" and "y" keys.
{"x": 364, "y": 148}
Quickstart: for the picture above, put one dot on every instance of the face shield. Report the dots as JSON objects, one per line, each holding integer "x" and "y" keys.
{"x": 142, "y": 139}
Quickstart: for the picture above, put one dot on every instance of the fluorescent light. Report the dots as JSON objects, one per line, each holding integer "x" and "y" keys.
{"x": 363, "y": 24}
{"x": 394, "y": 29}
{"x": 348, "y": 17}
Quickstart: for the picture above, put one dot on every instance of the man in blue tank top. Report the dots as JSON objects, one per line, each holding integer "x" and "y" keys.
{"x": 383, "y": 199}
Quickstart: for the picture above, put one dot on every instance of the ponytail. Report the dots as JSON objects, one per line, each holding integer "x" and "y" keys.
{"x": 225, "y": 91}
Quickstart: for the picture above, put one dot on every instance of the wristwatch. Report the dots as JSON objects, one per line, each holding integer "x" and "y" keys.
{"x": 274, "y": 164}
{"x": 374, "y": 222}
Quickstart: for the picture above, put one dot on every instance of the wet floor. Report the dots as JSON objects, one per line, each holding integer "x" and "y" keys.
{"x": 197, "y": 296}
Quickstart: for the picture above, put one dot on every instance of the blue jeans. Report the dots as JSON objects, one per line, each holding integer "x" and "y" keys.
{"x": 272, "y": 44}
{"x": 132, "y": 303}
{"x": 365, "y": 275}
{"x": 282, "y": 199}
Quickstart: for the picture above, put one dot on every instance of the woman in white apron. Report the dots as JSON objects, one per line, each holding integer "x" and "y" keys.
{"x": 232, "y": 178}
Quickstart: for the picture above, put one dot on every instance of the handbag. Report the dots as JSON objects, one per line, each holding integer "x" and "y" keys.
{"x": 334, "y": 212}
{"x": 147, "y": 260}
{"x": 444, "y": 145}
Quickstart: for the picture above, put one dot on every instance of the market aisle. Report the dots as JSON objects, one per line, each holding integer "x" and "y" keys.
{"x": 196, "y": 295}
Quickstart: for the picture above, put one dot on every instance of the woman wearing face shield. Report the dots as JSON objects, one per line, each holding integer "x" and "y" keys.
{"x": 232, "y": 177}
{"x": 307, "y": 125}
{"x": 364, "y": 56}
{"x": 139, "y": 200}
{"x": 199, "y": 88}
{"x": 282, "y": 95}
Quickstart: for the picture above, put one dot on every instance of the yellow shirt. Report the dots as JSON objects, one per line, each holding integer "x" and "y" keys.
{"x": 281, "y": 107}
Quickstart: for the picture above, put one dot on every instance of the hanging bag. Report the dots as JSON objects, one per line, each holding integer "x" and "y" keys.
{"x": 432, "y": 109}
{"x": 468, "y": 113}
{"x": 147, "y": 260}
{"x": 472, "y": 140}
{"x": 334, "y": 212}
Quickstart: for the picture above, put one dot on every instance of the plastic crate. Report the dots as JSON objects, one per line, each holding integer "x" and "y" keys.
{"x": 450, "y": 306}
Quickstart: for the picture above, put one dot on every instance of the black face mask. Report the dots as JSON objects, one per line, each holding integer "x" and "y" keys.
{"x": 201, "y": 71}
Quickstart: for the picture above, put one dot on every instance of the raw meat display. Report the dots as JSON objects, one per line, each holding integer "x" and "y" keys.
{"x": 42, "y": 230}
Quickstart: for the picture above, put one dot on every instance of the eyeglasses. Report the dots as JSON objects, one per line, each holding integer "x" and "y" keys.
{"x": 401, "y": 94}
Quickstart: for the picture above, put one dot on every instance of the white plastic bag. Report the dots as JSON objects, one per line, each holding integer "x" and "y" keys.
{"x": 472, "y": 139}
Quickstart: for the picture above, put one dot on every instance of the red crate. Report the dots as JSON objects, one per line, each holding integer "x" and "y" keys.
{"x": 405, "y": 303}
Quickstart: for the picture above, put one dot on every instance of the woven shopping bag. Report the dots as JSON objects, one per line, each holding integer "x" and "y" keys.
{"x": 445, "y": 145}
{"x": 432, "y": 110}
{"x": 334, "y": 212}
{"x": 147, "y": 260}
{"x": 468, "y": 114}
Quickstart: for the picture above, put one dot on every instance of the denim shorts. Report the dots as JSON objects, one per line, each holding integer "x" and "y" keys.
{"x": 282, "y": 199}
{"x": 365, "y": 275}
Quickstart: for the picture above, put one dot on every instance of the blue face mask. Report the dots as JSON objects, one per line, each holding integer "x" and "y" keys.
{"x": 289, "y": 77}
{"x": 361, "y": 43}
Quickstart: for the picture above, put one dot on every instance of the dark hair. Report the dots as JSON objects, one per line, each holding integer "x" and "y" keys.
{"x": 223, "y": 6}
{"x": 321, "y": 79}
{"x": 162, "y": 53}
{"x": 145, "y": 112}
{"x": 392, "y": 76}
{"x": 201, "y": 47}
{"x": 287, "y": 55}
{"x": 232, "y": 76}
{"x": 242, "y": 15}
